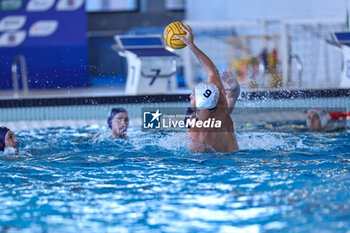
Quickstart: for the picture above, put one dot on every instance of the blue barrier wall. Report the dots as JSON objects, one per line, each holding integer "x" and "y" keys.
{"x": 51, "y": 34}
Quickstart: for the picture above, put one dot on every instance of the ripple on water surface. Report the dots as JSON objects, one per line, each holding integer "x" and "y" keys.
{"x": 64, "y": 181}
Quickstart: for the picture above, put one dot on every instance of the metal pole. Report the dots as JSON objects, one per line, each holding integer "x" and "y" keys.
{"x": 14, "y": 69}
{"x": 285, "y": 51}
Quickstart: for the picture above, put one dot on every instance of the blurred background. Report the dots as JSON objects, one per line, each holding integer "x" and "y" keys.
{"x": 70, "y": 46}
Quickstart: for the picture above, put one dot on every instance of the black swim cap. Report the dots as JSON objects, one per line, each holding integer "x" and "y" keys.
{"x": 3, "y": 132}
{"x": 112, "y": 114}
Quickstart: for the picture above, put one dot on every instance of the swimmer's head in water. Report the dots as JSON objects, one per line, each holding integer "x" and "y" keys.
{"x": 206, "y": 95}
{"x": 3, "y": 132}
{"x": 317, "y": 118}
{"x": 7, "y": 139}
{"x": 118, "y": 122}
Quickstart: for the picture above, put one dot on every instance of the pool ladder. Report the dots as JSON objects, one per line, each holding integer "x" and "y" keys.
{"x": 19, "y": 59}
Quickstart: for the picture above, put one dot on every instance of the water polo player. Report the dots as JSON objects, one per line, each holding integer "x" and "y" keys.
{"x": 317, "y": 119}
{"x": 209, "y": 100}
{"x": 118, "y": 122}
{"x": 7, "y": 139}
{"x": 232, "y": 93}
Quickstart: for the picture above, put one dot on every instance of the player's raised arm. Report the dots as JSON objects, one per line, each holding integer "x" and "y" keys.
{"x": 232, "y": 91}
{"x": 208, "y": 65}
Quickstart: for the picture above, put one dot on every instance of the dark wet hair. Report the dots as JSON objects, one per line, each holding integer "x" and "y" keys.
{"x": 112, "y": 114}
{"x": 3, "y": 132}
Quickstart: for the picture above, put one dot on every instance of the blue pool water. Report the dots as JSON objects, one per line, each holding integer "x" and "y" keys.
{"x": 278, "y": 182}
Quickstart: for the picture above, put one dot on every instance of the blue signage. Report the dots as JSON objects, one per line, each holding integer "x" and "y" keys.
{"x": 51, "y": 35}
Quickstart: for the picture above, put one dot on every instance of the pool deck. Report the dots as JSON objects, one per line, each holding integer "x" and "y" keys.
{"x": 106, "y": 91}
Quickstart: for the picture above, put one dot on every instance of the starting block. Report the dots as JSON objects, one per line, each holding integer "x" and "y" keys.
{"x": 150, "y": 65}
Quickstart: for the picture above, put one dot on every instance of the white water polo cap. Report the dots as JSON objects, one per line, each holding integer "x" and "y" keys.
{"x": 322, "y": 114}
{"x": 207, "y": 95}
